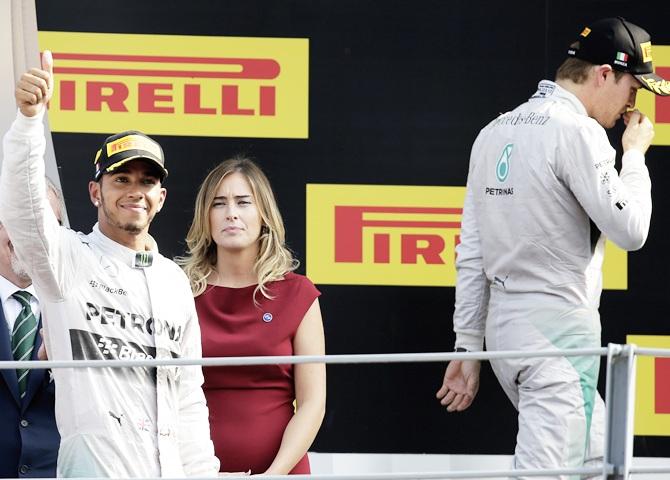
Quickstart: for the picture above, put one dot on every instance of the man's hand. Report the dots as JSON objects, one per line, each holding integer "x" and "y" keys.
{"x": 35, "y": 87}
{"x": 42, "y": 352}
{"x": 460, "y": 385}
{"x": 639, "y": 131}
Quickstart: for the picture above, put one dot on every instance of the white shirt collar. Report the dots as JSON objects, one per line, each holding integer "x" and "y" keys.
{"x": 7, "y": 289}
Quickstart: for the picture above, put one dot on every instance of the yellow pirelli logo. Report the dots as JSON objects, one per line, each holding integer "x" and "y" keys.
{"x": 130, "y": 142}
{"x": 179, "y": 85}
{"x": 396, "y": 235}
{"x": 652, "y": 388}
{"x": 657, "y": 107}
{"x": 646, "y": 52}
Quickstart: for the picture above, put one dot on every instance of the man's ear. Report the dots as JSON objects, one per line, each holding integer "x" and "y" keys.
{"x": 601, "y": 73}
{"x": 94, "y": 192}
{"x": 161, "y": 202}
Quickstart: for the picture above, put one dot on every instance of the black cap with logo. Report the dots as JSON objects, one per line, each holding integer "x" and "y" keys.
{"x": 124, "y": 147}
{"x": 624, "y": 46}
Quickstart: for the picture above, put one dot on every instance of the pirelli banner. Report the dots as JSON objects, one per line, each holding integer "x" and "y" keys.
{"x": 652, "y": 400}
{"x": 363, "y": 116}
{"x": 397, "y": 235}
{"x": 179, "y": 85}
{"x": 657, "y": 107}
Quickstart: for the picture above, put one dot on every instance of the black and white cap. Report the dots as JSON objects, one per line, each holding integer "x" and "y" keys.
{"x": 624, "y": 46}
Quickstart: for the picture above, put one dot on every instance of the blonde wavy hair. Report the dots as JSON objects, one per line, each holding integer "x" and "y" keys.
{"x": 274, "y": 258}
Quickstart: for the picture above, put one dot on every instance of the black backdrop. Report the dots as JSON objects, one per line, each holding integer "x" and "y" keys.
{"x": 398, "y": 91}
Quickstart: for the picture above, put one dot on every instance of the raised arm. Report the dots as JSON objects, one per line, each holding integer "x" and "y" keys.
{"x": 619, "y": 204}
{"x": 24, "y": 207}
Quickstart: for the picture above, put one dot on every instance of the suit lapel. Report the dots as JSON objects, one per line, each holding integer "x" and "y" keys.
{"x": 9, "y": 375}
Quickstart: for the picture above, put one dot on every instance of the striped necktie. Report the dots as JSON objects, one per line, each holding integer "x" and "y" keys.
{"x": 23, "y": 337}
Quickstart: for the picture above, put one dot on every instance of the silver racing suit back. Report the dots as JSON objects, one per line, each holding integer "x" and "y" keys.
{"x": 541, "y": 187}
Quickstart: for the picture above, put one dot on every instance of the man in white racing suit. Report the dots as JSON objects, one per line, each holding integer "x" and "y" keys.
{"x": 541, "y": 188}
{"x": 109, "y": 295}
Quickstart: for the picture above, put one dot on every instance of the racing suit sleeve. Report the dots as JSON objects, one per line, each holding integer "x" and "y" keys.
{"x": 619, "y": 205}
{"x": 195, "y": 444}
{"x": 37, "y": 237}
{"x": 472, "y": 286}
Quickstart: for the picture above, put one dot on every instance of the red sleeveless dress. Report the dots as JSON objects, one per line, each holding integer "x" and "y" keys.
{"x": 250, "y": 406}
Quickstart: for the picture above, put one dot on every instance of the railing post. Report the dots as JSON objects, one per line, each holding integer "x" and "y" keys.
{"x": 620, "y": 408}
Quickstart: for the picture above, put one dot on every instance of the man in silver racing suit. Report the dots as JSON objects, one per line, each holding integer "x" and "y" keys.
{"x": 541, "y": 187}
{"x": 109, "y": 295}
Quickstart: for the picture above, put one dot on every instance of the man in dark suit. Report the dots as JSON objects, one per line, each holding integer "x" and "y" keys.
{"x": 28, "y": 435}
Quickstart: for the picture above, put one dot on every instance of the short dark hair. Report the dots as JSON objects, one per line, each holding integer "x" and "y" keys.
{"x": 577, "y": 70}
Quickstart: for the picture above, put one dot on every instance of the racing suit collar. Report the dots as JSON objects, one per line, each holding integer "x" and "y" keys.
{"x": 118, "y": 251}
{"x": 549, "y": 89}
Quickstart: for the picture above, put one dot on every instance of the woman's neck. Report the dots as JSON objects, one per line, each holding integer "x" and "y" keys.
{"x": 234, "y": 269}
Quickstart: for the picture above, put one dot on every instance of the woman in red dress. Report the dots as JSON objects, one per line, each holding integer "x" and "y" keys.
{"x": 263, "y": 418}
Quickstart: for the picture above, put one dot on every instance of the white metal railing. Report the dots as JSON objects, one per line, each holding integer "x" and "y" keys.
{"x": 296, "y": 359}
{"x": 405, "y": 475}
{"x": 619, "y": 401}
